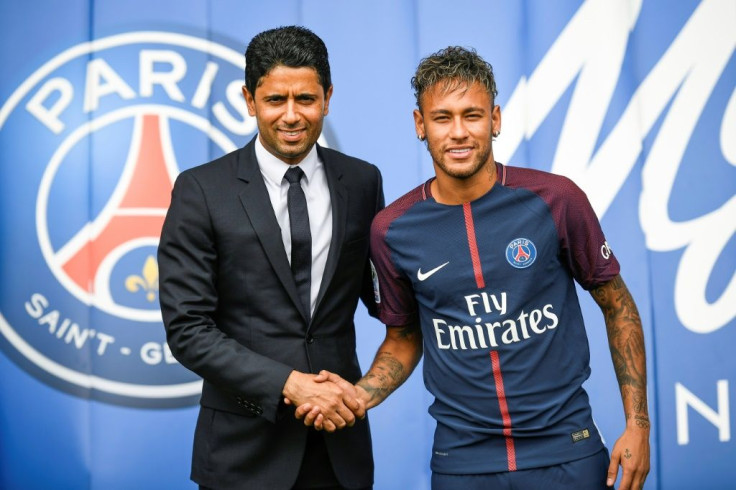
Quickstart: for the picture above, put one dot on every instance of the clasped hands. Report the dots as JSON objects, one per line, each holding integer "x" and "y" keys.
{"x": 325, "y": 401}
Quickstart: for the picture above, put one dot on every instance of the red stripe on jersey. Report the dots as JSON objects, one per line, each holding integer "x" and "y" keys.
{"x": 474, "y": 256}
{"x": 501, "y": 393}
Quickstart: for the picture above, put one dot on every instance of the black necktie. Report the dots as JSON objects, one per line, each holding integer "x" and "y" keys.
{"x": 301, "y": 237}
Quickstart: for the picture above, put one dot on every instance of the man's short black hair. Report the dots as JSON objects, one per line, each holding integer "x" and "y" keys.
{"x": 292, "y": 46}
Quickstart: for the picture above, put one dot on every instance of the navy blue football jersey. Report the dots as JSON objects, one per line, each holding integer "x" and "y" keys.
{"x": 491, "y": 283}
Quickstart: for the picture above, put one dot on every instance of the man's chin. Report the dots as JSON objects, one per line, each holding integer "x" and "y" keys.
{"x": 292, "y": 152}
{"x": 461, "y": 172}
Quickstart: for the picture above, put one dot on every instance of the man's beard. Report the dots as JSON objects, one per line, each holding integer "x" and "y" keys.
{"x": 439, "y": 159}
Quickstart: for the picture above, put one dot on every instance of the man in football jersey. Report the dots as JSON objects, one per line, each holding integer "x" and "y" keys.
{"x": 489, "y": 296}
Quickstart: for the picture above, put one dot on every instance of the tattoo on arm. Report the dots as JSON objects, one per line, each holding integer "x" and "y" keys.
{"x": 626, "y": 342}
{"x": 642, "y": 421}
{"x": 389, "y": 370}
{"x": 385, "y": 376}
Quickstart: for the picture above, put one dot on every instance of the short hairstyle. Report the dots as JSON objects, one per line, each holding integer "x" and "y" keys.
{"x": 453, "y": 67}
{"x": 292, "y": 46}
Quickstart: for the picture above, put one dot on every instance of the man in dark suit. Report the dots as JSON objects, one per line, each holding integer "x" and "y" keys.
{"x": 263, "y": 257}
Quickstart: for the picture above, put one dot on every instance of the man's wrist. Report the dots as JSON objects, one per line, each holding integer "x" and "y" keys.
{"x": 368, "y": 394}
{"x": 362, "y": 394}
{"x": 289, "y": 389}
{"x": 640, "y": 422}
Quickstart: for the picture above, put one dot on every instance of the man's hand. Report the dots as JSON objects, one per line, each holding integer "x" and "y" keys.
{"x": 325, "y": 401}
{"x": 631, "y": 452}
{"x": 312, "y": 416}
{"x": 395, "y": 360}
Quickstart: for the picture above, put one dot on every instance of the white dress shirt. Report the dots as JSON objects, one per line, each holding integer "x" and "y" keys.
{"x": 319, "y": 206}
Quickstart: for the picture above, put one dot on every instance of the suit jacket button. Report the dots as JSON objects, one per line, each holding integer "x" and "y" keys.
{"x": 310, "y": 339}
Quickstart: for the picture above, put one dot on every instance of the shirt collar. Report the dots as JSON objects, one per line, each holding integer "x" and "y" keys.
{"x": 274, "y": 169}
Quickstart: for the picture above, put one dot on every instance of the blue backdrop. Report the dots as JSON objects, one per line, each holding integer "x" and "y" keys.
{"x": 104, "y": 102}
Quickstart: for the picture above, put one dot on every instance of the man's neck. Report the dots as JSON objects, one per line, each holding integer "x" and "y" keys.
{"x": 451, "y": 190}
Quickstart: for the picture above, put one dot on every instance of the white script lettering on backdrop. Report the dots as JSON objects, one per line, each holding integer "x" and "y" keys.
{"x": 683, "y": 79}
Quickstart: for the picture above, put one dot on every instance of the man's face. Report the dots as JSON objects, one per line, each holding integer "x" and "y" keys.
{"x": 458, "y": 126}
{"x": 289, "y": 105}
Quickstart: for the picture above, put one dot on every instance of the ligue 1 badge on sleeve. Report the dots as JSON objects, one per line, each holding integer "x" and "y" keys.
{"x": 92, "y": 142}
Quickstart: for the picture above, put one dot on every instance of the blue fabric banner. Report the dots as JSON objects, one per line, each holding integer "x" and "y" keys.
{"x": 103, "y": 103}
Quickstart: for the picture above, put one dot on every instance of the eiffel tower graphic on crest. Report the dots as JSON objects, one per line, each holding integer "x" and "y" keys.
{"x": 135, "y": 211}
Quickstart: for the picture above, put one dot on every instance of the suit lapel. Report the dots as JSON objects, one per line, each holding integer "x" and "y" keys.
{"x": 257, "y": 205}
{"x": 338, "y": 198}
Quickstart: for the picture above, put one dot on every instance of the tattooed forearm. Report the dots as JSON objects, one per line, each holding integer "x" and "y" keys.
{"x": 385, "y": 376}
{"x": 640, "y": 404}
{"x": 394, "y": 362}
{"x": 626, "y": 342}
{"x": 627, "y": 352}
{"x": 376, "y": 393}
{"x": 642, "y": 421}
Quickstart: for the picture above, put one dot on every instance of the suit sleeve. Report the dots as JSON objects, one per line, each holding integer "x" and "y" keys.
{"x": 187, "y": 258}
{"x": 367, "y": 294}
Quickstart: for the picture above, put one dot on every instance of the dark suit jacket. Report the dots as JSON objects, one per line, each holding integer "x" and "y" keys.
{"x": 232, "y": 315}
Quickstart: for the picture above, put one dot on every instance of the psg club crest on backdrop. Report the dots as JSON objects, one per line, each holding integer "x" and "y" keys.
{"x": 96, "y": 137}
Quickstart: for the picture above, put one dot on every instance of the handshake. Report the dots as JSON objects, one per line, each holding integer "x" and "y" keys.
{"x": 325, "y": 401}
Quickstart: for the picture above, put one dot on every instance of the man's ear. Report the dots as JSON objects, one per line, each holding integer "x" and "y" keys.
{"x": 249, "y": 101}
{"x": 496, "y": 120}
{"x": 419, "y": 125}
{"x": 328, "y": 95}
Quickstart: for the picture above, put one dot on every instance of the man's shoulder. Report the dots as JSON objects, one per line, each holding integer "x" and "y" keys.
{"x": 215, "y": 172}
{"x": 535, "y": 179}
{"x": 217, "y": 164}
{"x": 398, "y": 208}
{"x": 553, "y": 188}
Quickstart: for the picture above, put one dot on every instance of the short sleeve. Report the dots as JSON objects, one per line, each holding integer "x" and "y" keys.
{"x": 393, "y": 292}
{"x": 583, "y": 246}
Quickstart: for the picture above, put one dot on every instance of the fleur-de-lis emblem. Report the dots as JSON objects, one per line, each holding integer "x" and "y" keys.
{"x": 147, "y": 281}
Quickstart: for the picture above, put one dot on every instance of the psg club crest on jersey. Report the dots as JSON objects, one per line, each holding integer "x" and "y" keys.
{"x": 521, "y": 253}
{"x": 95, "y": 137}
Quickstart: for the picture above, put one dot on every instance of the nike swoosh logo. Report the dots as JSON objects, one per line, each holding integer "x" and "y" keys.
{"x": 424, "y": 275}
